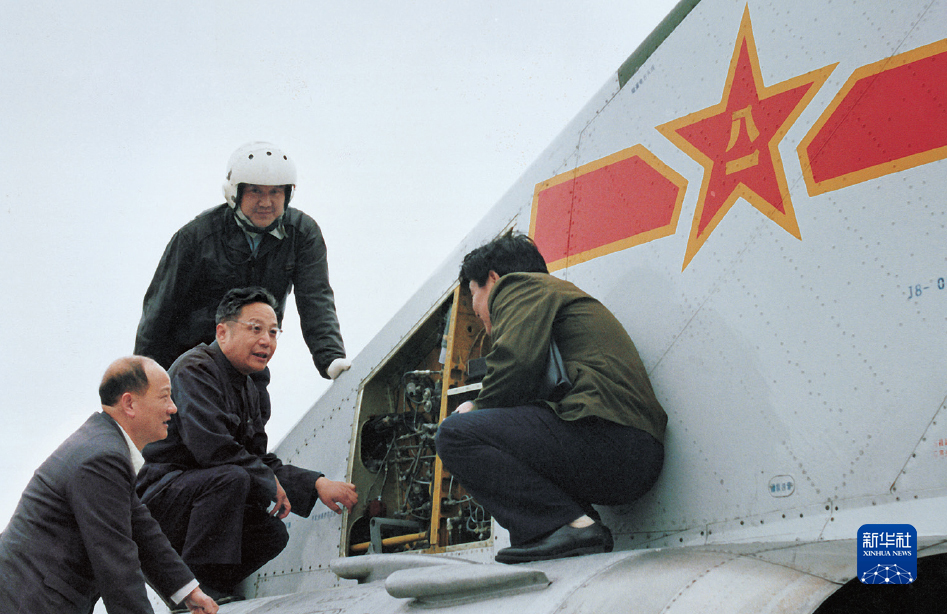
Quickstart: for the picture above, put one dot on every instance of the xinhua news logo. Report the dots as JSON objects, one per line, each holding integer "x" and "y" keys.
{"x": 887, "y": 554}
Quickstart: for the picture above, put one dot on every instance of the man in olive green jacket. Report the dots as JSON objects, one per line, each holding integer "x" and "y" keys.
{"x": 536, "y": 465}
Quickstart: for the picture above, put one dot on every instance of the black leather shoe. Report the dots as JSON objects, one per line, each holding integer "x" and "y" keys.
{"x": 564, "y": 541}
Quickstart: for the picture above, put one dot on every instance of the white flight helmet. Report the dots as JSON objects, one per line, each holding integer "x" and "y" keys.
{"x": 259, "y": 163}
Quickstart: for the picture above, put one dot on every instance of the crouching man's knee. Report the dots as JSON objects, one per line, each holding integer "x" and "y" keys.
{"x": 278, "y": 537}
{"x": 448, "y": 437}
{"x": 232, "y": 480}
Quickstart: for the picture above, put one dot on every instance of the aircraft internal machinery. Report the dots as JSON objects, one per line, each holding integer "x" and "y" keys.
{"x": 411, "y": 503}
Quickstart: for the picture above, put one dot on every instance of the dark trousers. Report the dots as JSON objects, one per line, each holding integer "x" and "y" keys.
{"x": 535, "y": 472}
{"x": 205, "y": 515}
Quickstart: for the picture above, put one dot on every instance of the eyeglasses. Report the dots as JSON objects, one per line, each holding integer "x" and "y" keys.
{"x": 258, "y": 329}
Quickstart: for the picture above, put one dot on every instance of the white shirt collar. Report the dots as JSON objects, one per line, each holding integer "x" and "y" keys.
{"x": 137, "y": 459}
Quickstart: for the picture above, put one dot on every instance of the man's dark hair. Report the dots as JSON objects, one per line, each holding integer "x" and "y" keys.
{"x": 238, "y": 298}
{"x": 126, "y": 375}
{"x": 510, "y": 253}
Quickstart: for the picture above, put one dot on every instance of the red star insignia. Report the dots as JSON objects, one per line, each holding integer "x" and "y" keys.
{"x": 736, "y": 141}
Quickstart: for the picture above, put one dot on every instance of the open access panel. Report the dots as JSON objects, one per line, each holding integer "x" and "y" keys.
{"x": 407, "y": 500}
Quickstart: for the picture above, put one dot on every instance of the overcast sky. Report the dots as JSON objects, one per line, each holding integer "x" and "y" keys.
{"x": 406, "y": 120}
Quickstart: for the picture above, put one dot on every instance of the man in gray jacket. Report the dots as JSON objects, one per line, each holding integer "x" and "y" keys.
{"x": 79, "y": 531}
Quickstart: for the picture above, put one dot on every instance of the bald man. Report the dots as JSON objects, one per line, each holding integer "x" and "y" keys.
{"x": 79, "y": 531}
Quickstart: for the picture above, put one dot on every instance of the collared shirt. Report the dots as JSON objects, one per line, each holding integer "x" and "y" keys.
{"x": 137, "y": 459}
{"x": 254, "y": 237}
{"x": 137, "y": 462}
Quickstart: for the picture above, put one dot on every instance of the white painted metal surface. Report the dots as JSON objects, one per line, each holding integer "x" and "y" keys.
{"x": 803, "y": 376}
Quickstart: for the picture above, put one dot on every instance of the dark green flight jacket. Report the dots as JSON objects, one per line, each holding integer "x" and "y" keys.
{"x": 608, "y": 377}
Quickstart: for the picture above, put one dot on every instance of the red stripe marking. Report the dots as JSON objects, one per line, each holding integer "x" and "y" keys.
{"x": 612, "y": 203}
{"x": 886, "y": 116}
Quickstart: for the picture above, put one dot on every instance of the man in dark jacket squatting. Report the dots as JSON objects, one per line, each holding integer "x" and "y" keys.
{"x": 217, "y": 493}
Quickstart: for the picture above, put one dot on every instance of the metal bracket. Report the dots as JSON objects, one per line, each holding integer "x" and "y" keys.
{"x": 378, "y": 523}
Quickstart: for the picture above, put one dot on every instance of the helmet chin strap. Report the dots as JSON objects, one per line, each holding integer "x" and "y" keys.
{"x": 244, "y": 222}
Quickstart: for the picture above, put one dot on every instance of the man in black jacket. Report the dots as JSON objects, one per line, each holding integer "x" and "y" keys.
{"x": 79, "y": 531}
{"x": 217, "y": 493}
{"x": 254, "y": 239}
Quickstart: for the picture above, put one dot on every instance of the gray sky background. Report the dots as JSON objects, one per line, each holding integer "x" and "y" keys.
{"x": 406, "y": 121}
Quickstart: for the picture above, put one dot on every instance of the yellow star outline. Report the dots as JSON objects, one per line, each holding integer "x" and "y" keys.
{"x": 736, "y": 141}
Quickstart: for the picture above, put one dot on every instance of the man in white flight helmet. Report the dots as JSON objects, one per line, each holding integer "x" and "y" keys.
{"x": 253, "y": 239}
